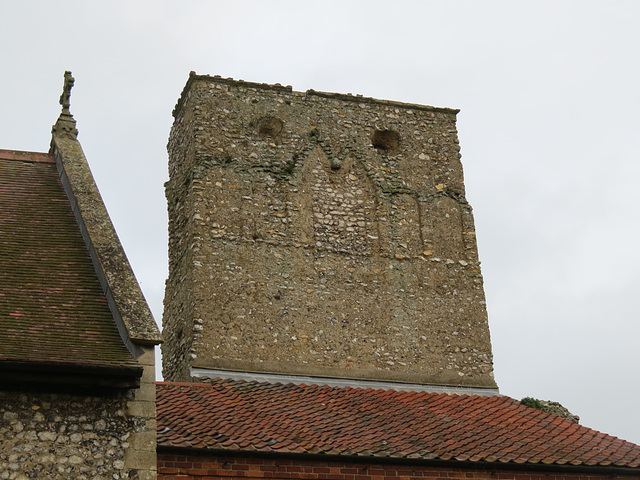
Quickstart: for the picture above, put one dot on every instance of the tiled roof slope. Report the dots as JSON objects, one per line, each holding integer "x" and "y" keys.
{"x": 52, "y": 307}
{"x": 264, "y": 417}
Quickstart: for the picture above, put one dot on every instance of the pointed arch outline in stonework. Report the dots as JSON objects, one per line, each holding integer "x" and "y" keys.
{"x": 342, "y": 198}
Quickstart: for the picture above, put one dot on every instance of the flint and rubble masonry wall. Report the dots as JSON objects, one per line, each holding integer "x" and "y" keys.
{"x": 59, "y": 436}
{"x": 84, "y": 437}
{"x": 192, "y": 467}
{"x": 320, "y": 234}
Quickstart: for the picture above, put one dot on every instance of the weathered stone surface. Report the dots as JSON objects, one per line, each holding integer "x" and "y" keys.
{"x": 60, "y": 436}
{"x": 555, "y": 408}
{"x": 121, "y": 288}
{"x": 322, "y": 234}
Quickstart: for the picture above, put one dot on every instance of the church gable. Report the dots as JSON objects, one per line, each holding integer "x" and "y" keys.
{"x": 77, "y": 389}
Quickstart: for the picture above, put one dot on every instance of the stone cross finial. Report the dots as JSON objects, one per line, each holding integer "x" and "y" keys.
{"x": 66, "y": 125}
{"x": 65, "y": 98}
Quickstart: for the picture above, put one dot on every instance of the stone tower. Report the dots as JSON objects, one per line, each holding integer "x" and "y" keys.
{"x": 320, "y": 234}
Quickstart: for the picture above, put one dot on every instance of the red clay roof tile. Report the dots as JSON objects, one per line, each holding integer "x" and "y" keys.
{"x": 252, "y": 416}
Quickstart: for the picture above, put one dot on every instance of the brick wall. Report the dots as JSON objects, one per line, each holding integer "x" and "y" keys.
{"x": 183, "y": 467}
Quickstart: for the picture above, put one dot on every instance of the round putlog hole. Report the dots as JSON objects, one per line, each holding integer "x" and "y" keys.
{"x": 269, "y": 126}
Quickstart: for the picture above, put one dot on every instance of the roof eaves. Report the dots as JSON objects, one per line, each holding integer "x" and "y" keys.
{"x": 25, "y": 373}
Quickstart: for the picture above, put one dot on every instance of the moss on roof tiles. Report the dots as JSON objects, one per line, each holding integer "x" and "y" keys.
{"x": 51, "y": 303}
{"x": 327, "y": 419}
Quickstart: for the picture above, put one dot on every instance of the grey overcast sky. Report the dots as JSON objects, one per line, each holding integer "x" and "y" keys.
{"x": 549, "y": 93}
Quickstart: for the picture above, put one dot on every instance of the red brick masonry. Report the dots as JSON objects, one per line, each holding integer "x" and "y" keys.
{"x": 187, "y": 467}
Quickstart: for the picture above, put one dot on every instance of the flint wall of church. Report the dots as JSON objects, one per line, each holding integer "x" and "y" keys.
{"x": 61, "y": 436}
{"x": 322, "y": 234}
